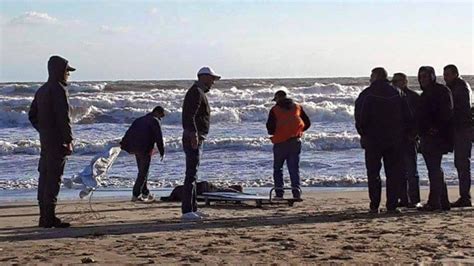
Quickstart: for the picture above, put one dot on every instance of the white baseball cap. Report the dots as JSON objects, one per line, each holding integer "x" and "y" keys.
{"x": 208, "y": 71}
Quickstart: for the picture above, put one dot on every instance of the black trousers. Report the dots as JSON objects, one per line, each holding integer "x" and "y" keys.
{"x": 391, "y": 157}
{"x": 410, "y": 185}
{"x": 438, "y": 197}
{"x": 51, "y": 168}
{"x": 462, "y": 160}
{"x": 143, "y": 164}
{"x": 193, "y": 159}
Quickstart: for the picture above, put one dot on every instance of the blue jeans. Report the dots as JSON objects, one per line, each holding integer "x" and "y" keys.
{"x": 193, "y": 157}
{"x": 288, "y": 151}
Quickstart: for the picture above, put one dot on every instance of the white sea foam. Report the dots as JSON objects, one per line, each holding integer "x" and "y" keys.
{"x": 92, "y": 103}
{"x": 320, "y": 141}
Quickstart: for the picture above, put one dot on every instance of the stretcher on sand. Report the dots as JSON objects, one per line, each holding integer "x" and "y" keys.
{"x": 238, "y": 198}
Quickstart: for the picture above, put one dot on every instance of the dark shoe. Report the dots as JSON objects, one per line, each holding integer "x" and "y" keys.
{"x": 461, "y": 203}
{"x": 402, "y": 204}
{"x": 428, "y": 208}
{"x": 57, "y": 223}
{"x": 411, "y": 205}
{"x": 394, "y": 211}
{"x": 374, "y": 211}
{"x": 296, "y": 194}
{"x": 51, "y": 220}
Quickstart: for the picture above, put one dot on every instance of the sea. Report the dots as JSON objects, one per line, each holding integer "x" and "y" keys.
{"x": 237, "y": 151}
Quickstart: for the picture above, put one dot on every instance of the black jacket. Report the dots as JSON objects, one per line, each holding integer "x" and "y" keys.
{"x": 435, "y": 119}
{"x": 49, "y": 111}
{"x": 142, "y": 136}
{"x": 461, "y": 92}
{"x": 286, "y": 104}
{"x": 382, "y": 116}
{"x": 413, "y": 100}
{"x": 196, "y": 111}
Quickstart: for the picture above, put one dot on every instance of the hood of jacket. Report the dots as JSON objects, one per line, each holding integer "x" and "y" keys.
{"x": 57, "y": 68}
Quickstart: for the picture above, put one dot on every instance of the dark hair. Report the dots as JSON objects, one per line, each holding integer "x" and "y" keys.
{"x": 452, "y": 68}
{"x": 380, "y": 72}
{"x": 428, "y": 69}
{"x": 159, "y": 109}
{"x": 400, "y": 75}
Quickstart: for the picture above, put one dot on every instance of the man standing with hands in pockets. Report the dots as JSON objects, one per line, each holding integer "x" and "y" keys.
{"x": 196, "y": 122}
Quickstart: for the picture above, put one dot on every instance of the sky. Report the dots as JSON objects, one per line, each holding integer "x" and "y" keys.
{"x": 154, "y": 40}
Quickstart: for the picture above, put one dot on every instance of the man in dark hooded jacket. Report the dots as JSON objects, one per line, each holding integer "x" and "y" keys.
{"x": 286, "y": 123}
{"x": 435, "y": 123}
{"x": 139, "y": 140}
{"x": 462, "y": 120}
{"x": 49, "y": 115}
{"x": 382, "y": 117}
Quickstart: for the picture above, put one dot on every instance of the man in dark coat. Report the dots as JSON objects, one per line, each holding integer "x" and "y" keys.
{"x": 382, "y": 115}
{"x": 462, "y": 95}
{"x": 435, "y": 117}
{"x": 196, "y": 120}
{"x": 49, "y": 115}
{"x": 410, "y": 186}
{"x": 139, "y": 140}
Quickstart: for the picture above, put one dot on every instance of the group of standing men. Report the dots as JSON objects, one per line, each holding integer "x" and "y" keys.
{"x": 396, "y": 123}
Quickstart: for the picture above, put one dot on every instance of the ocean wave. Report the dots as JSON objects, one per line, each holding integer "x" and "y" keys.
{"x": 31, "y": 88}
{"x": 92, "y": 103}
{"x": 320, "y": 141}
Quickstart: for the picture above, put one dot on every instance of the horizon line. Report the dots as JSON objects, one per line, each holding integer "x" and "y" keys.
{"x": 223, "y": 78}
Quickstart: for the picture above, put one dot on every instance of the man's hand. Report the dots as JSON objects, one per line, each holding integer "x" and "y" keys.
{"x": 195, "y": 141}
{"x": 69, "y": 148}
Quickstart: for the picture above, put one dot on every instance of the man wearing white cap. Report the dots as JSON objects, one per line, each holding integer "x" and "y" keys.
{"x": 196, "y": 120}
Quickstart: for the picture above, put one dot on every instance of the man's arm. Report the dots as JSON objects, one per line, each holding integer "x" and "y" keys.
{"x": 158, "y": 136}
{"x": 33, "y": 114}
{"x": 61, "y": 112}
{"x": 462, "y": 98}
{"x": 271, "y": 123}
{"x": 447, "y": 105}
{"x": 360, "y": 113}
{"x": 305, "y": 118}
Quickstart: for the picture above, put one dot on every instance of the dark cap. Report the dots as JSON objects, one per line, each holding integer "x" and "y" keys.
{"x": 70, "y": 68}
{"x": 279, "y": 94}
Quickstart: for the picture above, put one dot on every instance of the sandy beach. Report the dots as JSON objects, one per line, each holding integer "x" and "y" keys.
{"x": 326, "y": 227}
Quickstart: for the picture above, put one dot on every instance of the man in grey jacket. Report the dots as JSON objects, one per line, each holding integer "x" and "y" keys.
{"x": 49, "y": 115}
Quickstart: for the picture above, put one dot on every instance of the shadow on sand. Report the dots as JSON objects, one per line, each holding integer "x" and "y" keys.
{"x": 171, "y": 225}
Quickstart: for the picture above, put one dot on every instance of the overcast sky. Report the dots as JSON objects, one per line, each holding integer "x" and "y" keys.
{"x": 120, "y": 40}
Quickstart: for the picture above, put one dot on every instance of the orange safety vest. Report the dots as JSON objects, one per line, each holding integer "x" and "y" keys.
{"x": 288, "y": 123}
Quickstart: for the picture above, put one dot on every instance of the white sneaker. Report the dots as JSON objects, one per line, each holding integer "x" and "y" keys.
{"x": 149, "y": 198}
{"x": 203, "y": 215}
{"x": 190, "y": 216}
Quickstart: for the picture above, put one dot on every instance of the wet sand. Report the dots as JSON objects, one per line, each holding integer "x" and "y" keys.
{"x": 326, "y": 227}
